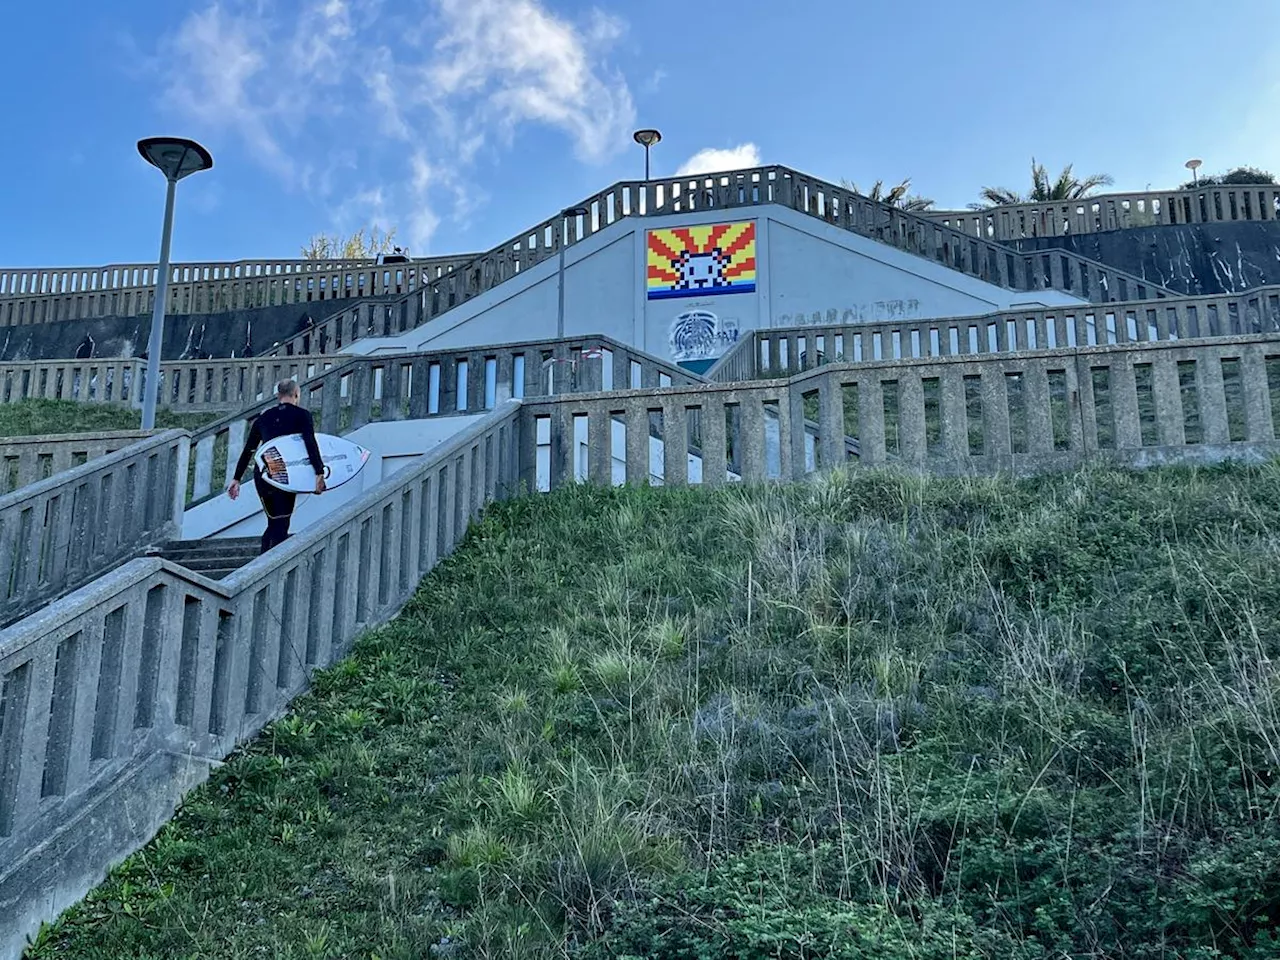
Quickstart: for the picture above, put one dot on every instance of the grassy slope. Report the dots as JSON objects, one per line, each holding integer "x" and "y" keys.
{"x": 35, "y": 417}
{"x": 870, "y": 717}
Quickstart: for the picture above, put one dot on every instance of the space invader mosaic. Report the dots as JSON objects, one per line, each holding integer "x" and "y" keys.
{"x": 701, "y": 261}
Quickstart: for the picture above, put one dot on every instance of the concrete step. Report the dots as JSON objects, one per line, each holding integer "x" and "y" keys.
{"x": 209, "y": 547}
{"x": 214, "y": 558}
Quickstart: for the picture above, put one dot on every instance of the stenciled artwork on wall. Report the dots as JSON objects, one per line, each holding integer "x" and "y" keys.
{"x": 701, "y": 261}
{"x": 698, "y": 337}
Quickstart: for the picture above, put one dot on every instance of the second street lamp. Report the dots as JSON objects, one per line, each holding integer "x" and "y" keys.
{"x": 175, "y": 157}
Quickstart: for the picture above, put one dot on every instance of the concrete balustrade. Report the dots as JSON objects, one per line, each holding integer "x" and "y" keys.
{"x": 85, "y": 381}
{"x": 186, "y": 386}
{"x": 1136, "y": 404}
{"x": 415, "y": 386}
{"x": 117, "y": 698}
{"x": 43, "y": 295}
{"x": 25, "y": 460}
{"x": 59, "y": 532}
{"x": 1116, "y": 211}
{"x": 783, "y": 351}
{"x": 194, "y": 386}
{"x": 974, "y": 255}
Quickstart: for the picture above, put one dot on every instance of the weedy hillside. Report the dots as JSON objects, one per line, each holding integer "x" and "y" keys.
{"x": 35, "y": 417}
{"x": 871, "y": 716}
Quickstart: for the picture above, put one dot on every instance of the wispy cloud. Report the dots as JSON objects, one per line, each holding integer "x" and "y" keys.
{"x": 223, "y": 61}
{"x": 714, "y": 160}
{"x": 380, "y": 107}
{"x": 1253, "y": 139}
{"x": 514, "y": 62}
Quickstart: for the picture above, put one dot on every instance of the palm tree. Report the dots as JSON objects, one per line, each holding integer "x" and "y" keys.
{"x": 897, "y": 196}
{"x": 1043, "y": 190}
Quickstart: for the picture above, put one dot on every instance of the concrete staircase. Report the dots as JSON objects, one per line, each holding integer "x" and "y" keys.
{"x": 740, "y": 190}
{"x": 213, "y": 558}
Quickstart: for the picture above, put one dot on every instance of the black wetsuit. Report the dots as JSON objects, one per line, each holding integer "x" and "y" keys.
{"x": 280, "y": 421}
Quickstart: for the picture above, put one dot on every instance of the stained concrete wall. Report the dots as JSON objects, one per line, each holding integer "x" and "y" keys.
{"x": 236, "y": 333}
{"x": 807, "y": 271}
{"x": 392, "y": 445}
{"x": 1195, "y": 258}
{"x": 821, "y": 274}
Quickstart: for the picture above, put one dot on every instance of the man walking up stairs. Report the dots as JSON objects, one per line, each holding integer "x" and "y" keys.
{"x": 285, "y": 418}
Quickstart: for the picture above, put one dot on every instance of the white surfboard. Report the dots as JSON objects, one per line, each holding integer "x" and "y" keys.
{"x": 285, "y": 465}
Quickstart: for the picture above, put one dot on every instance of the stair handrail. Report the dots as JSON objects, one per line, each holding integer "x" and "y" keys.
{"x": 760, "y": 353}
{"x": 394, "y": 386}
{"x": 64, "y": 530}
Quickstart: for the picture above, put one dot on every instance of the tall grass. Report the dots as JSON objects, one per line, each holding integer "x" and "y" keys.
{"x": 867, "y": 716}
{"x": 28, "y": 418}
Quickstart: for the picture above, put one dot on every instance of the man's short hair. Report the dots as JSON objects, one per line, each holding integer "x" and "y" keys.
{"x": 287, "y": 388}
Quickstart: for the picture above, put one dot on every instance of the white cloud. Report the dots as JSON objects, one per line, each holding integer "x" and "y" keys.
{"x": 518, "y": 63}
{"x": 423, "y": 220}
{"x": 221, "y": 61}
{"x": 713, "y": 160}
{"x": 381, "y": 87}
{"x": 340, "y": 94}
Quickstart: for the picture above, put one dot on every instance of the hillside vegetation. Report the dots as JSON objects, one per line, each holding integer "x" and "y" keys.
{"x": 871, "y": 716}
{"x": 31, "y": 418}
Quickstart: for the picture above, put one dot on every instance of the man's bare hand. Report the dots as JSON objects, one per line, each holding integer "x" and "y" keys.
{"x": 233, "y": 491}
{"x": 320, "y": 487}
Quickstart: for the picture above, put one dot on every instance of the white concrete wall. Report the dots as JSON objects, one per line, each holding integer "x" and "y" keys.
{"x": 807, "y": 271}
{"x": 392, "y": 446}
{"x": 598, "y": 298}
{"x": 819, "y": 273}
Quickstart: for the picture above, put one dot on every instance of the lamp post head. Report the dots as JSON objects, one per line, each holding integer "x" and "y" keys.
{"x": 646, "y": 138}
{"x": 175, "y": 157}
{"x": 1193, "y": 164}
{"x": 574, "y": 212}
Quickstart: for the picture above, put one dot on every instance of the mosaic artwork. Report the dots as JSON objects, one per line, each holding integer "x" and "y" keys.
{"x": 701, "y": 261}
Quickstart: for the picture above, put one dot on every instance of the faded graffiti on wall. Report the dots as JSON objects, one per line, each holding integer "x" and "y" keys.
{"x": 874, "y": 312}
{"x": 698, "y": 337}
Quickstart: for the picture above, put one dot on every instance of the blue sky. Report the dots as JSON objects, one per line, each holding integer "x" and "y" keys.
{"x": 461, "y": 122}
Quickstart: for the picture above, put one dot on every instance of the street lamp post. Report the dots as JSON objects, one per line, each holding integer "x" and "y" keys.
{"x": 565, "y": 214}
{"x": 646, "y": 139}
{"x": 176, "y": 158}
{"x": 1194, "y": 166}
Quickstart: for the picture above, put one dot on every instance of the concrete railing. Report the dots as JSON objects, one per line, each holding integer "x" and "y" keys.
{"x": 25, "y": 460}
{"x": 117, "y": 697}
{"x": 783, "y": 351}
{"x": 58, "y": 533}
{"x": 199, "y": 385}
{"x": 46, "y": 294}
{"x": 1139, "y": 404}
{"x": 86, "y": 381}
{"x": 976, "y": 256}
{"x": 186, "y": 386}
{"x": 414, "y": 386}
{"x": 432, "y": 287}
{"x": 1116, "y": 211}
{"x": 735, "y": 190}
